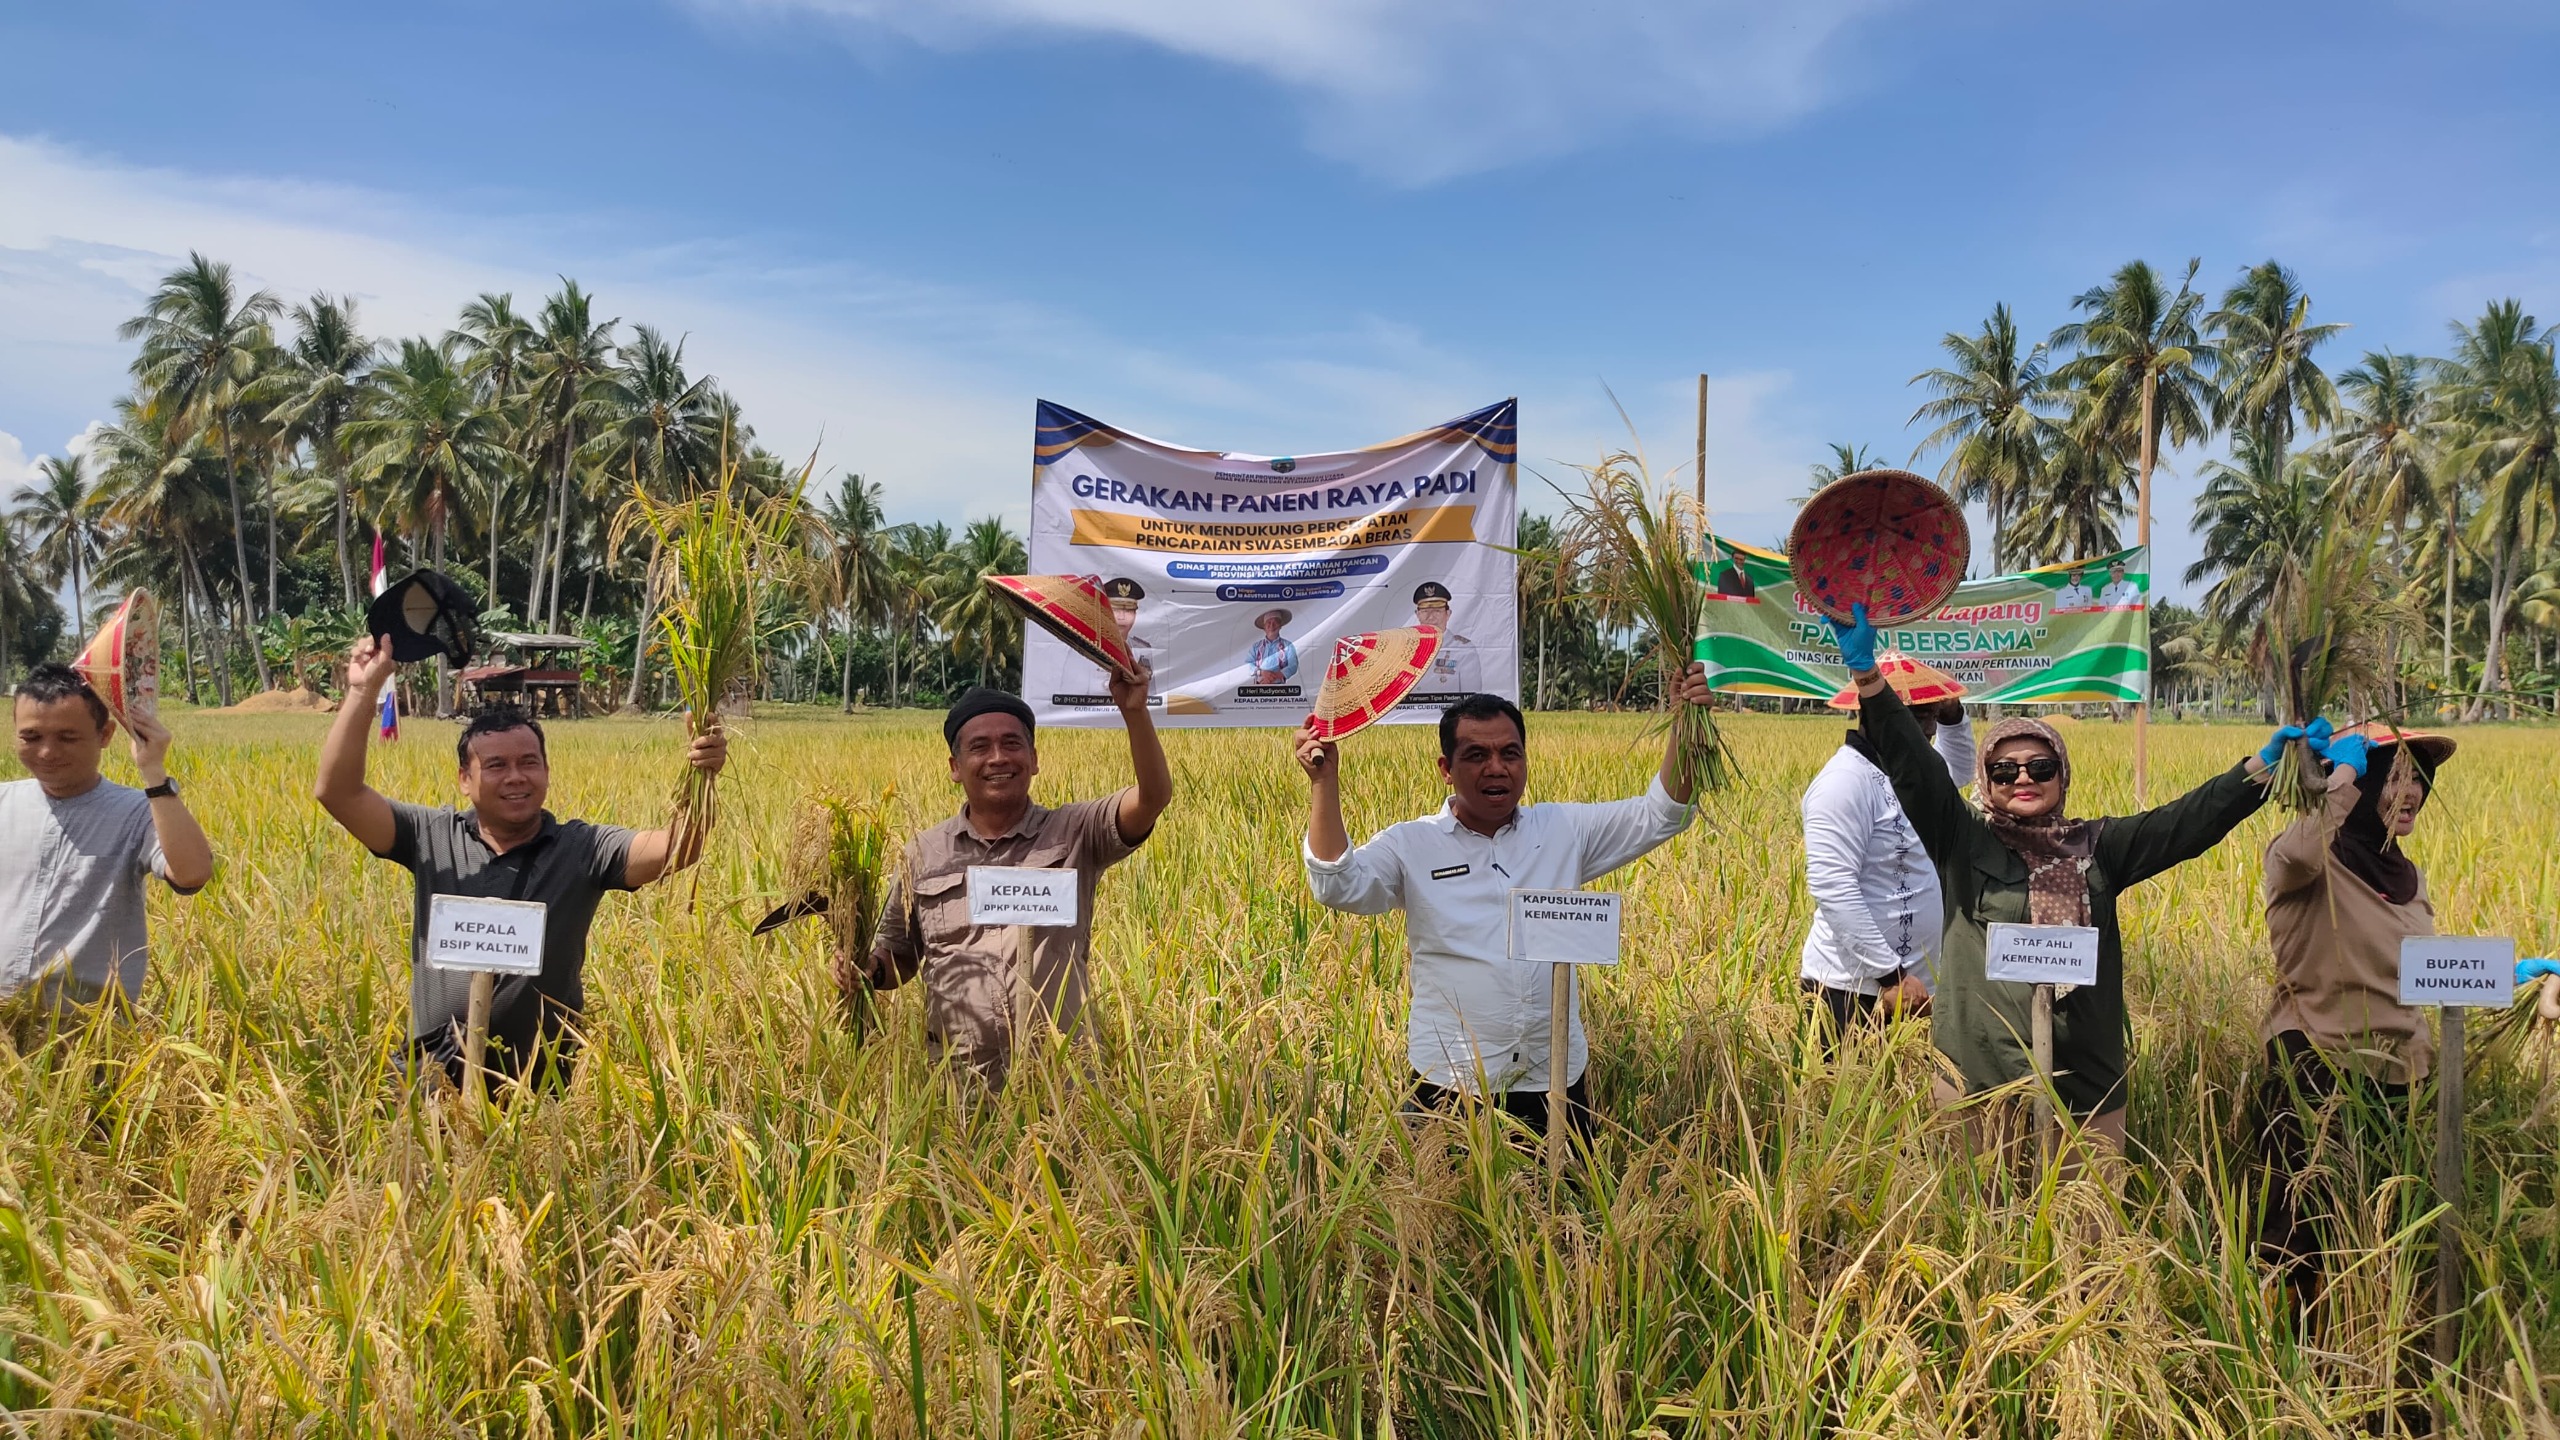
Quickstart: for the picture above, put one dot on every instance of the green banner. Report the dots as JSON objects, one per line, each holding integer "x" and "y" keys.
{"x": 2062, "y": 634}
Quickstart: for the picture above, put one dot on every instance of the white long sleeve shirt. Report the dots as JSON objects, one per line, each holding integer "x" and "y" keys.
{"x": 1876, "y": 905}
{"x": 1473, "y": 1007}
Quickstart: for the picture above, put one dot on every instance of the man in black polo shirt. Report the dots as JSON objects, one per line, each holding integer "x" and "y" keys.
{"x": 504, "y": 847}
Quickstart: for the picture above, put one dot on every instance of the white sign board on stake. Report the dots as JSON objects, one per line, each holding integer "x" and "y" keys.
{"x": 1565, "y": 927}
{"x": 500, "y": 936}
{"x": 2042, "y": 954}
{"x": 2457, "y": 970}
{"x": 1021, "y": 895}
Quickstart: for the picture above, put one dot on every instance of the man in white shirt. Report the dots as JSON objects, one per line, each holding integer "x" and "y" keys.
{"x": 1479, "y": 1020}
{"x": 1877, "y": 913}
{"x": 2076, "y": 594}
{"x": 2121, "y": 593}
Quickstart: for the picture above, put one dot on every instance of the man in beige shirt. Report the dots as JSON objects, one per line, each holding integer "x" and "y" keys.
{"x": 969, "y": 970}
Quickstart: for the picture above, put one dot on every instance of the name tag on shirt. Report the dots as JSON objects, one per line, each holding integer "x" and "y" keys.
{"x": 1021, "y": 895}
{"x": 1450, "y": 872}
{"x": 1565, "y": 927}
{"x": 2457, "y": 970}
{"x": 504, "y": 936}
{"x": 2042, "y": 954}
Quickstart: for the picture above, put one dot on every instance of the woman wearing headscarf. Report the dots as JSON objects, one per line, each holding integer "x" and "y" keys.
{"x": 2023, "y": 859}
{"x": 2341, "y": 896}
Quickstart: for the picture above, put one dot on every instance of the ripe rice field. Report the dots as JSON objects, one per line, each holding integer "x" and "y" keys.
{"x": 220, "y": 1219}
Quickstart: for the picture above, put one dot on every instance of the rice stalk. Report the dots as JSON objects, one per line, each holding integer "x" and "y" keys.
{"x": 1636, "y": 553}
{"x": 2324, "y": 642}
{"x": 839, "y": 862}
{"x": 722, "y": 550}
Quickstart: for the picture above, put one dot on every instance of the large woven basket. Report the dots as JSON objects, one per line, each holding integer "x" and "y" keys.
{"x": 1883, "y": 538}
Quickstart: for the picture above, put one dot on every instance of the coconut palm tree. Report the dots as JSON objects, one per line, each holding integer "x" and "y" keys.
{"x": 2504, "y": 395}
{"x": 2077, "y": 503}
{"x": 30, "y": 619}
{"x": 2261, "y": 514}
{"x": 203, "y": 345}
{"x": 318, "y": 386}
{"x": 424, "y": 440}
{"x": 978, "y": 625}
{"x": 2387, "y": 447}
{"x": 159, "y": 493}
{"x": 495, "y": 344}
{"x": 567, "y": 370}
{"x": 58, "y": 519}
{"x": 2270, "y": 385}
{"x": 854, "y": 537}
{"x": 2139, "y": 354}
{"x": 916, "y": 560}
{"x": 664, "y": 432}
{"x": 1991, "y": 409}
{"x": 1845, "y": 460}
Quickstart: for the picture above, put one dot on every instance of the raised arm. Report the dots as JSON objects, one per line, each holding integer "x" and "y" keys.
{"x": 1327, "y": 840}
{"x": 1366, "y": 881}
{"x": 2138, "y": 847}
{"x": 1142, "y": 803}
{"x": 1929, "y": 796}
{"x": 2299, "y": 855}
{"x": 653, "y": 852}
{"x": 1954, "y": 741}
{"x": 186, "y": 856}
{"x": 358, "y": 808}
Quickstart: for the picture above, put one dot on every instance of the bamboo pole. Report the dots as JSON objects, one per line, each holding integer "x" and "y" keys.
{"x": 1026, "y": 995}
{"x": 2142, "y": 537}
{"x": 2449, "y": 1189}
{"x": 475, "y": 1041}
{"x": 1702, "y": 450}
{"x": 2040, "y": 1041}
{"x": 1559, "y": 1059}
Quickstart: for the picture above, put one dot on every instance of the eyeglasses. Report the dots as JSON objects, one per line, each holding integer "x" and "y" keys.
{"x": 2041, "y": 770}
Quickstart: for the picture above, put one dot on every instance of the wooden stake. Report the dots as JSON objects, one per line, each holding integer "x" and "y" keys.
{"x": 1026, "y": 994}
{"x": 1559, "y": 1059}
{"x": 2040, "y": 1041}
{"x": 1702, "y": 451}
{"x": 2449, "y": 1188}
{"x": 2142, "y": 537}
{"x": 475, "y": 1041}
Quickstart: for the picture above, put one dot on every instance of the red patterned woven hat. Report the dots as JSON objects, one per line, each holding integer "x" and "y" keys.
{"x": 1369, "y": 674}
{"x": 1916, "y": 683}
{"x": 1884, "y": 538}
{"x": 123, "y": 663}
{"x": 1073, "y": 608}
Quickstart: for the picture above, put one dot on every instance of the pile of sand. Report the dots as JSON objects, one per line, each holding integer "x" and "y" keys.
{"x": 294, "y": 701}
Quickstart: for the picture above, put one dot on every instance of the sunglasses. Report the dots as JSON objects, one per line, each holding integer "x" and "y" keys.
{"x": 2041, "y": 769}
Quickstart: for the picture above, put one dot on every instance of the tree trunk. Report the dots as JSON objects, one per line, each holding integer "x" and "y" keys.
{"x": 496, "y": 495}
{"x": 2452, "y": 517}
{"x": 2492, "y": 662}
{"x": 444, "y": 671}
{"x": 79, "y": 607}
{"x": 587, "y": 607}
{"x": 847, "y": 679}
{"x": 240, "y": 560}
{"x": 648, "y": 616}
{"x": 271, "y": 545}
{"x": 346, "y": 559}
{"x": 560, "y": 524}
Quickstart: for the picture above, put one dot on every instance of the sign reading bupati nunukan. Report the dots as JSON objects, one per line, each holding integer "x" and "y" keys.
{"x": 1233, "y": 575}
{"x": 2059, "y": 635}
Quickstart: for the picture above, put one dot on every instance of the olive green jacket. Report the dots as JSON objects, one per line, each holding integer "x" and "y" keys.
{"x": 1982, "y": 1024}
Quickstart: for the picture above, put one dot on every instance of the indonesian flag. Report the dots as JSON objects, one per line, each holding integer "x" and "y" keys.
{"x": 390, "y": 692}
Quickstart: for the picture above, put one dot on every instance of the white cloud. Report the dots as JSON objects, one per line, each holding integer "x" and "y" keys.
{"x": 16, "y": 468}
{"x": 1422, "y": 90}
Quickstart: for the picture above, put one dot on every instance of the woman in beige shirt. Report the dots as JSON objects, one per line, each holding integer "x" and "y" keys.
{"x": 2342, "y": 1051}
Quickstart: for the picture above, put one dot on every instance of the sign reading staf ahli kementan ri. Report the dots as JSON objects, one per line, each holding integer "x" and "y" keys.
{"x": 2042, "y": 954}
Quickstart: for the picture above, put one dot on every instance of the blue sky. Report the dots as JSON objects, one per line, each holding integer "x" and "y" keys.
{"x": 891, "y": 224}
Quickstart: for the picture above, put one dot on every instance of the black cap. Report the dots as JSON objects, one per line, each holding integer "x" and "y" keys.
{"x": 977, "y": 701}
{"x": 1430, "y": 590}
{"x": 1120, "y": 587}
{"x": 423, "y": 616}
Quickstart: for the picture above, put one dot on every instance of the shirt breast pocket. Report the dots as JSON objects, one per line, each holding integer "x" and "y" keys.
{"x": 942, "y": 908}
{"x": 1998, "y": 898}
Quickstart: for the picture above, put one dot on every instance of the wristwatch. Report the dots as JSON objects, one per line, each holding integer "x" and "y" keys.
{"x": 166, "y": 789}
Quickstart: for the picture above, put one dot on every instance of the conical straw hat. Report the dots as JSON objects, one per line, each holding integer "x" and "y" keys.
{"x": 1073, "y": 608}
{"x": 1369, "y": 674}
{"x": 2432, "y": 748}
{"x": 122, "y": 664}
{"x": 1916, "y": 683}
{"x": 1884, "y": 538}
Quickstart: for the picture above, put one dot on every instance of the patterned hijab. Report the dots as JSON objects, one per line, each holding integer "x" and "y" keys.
{"x": 2056, "y": 850}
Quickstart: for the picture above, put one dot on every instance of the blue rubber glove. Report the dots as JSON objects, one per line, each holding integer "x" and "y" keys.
{"x": 2274, "y": 750}
{"x": 2317, "y": 733}
{"x": 2527, "y": 969}
{"x": 1858, "y": 642}
{"x": 2352, "y": 751}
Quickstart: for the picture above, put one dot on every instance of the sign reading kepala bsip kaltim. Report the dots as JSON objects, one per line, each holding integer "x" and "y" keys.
{"x": 1021, "y": 895}
{"x": 1566, "y": 927}
{"x": 505, "y": 936}
{"x": 1232, "y": 575}
{"x": 2457, "y": 970}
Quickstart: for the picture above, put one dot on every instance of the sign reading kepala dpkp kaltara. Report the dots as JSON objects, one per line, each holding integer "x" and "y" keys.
{"x": 2062, "y": 634}
{"x": 1232, "y": 575}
